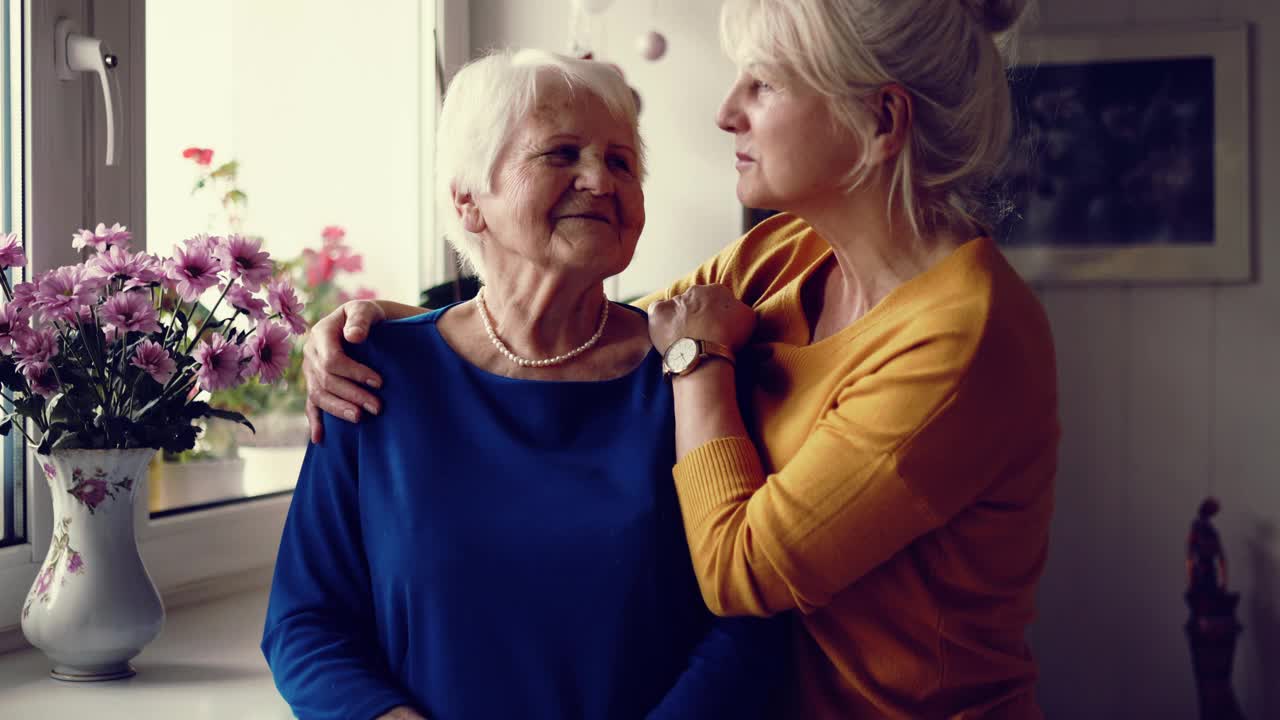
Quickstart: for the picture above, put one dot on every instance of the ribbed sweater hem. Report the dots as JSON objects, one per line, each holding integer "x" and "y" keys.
{"x": 724, "y": 470}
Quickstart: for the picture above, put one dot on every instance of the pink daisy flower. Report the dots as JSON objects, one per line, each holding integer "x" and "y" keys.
{"x": 101, "y": 237}
{"x": 85, "y": 239}
{"x": 24, "y": 295}
{"x": 40, "y": 377}
{"x": 64, "y": 293}
{"x": 268, "y": 352}
{"x": 35, "y": 346}
{"x": 13, "y": 325}
{"x": 245, "y": 301}
{"x": 219, "y": 363}
{"x": 138, "y": 269}
{"x": 192, "y": 270}
{"x": 333, "y": 233}
{"x": 154, "y": 360}
{"x": 283, "y": 300}
{"x": 11, "y": 252}
{"x": 243, "y": 258}
{"x": 203, "y": 240}
{"x": 127, "y": 312}
{"x": 115, "y": 236}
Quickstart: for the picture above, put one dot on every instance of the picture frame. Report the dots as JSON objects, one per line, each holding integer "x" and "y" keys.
{"x": 1130, "y": 159}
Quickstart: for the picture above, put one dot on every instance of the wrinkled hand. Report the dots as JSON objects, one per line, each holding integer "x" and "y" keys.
{"x": 333, "y": 379}
{"x": 703, "y": 312}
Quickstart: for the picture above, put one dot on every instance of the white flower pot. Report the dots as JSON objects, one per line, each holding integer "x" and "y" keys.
{"x": 197, "y": 482}
{"x": 93, "y": 607}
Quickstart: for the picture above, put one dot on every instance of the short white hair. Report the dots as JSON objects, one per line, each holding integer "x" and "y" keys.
{"x": 946, "y": 53}
{"x": 486, "y": 100}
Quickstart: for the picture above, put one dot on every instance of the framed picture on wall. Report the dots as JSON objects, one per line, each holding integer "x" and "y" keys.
{"x": 1130, "y": 159}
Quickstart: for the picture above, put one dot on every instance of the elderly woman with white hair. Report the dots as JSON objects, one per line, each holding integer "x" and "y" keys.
{"x": 504, "y": 541}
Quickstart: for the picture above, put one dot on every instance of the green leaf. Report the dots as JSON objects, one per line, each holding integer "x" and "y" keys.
{"x": 173, "y": 438}
{"x": 227, "y": 169}
{"x": 230, "y": 415}
{"x": 158, "y": 403}
{"x": 55, "y": 433}
{"x": 235, "y": 197}
{"x": 6, "y": 426}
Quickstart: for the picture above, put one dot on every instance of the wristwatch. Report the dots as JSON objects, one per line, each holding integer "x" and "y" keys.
{"x": 683, "y": 355}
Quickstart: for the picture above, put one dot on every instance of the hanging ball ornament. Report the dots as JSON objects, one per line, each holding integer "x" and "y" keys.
{"x": 592, "y": 7}
{"x": 651, "y": 45}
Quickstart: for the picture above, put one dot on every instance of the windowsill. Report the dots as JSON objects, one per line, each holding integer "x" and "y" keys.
{"x": 177, "y": 488}
{"x": 206, "y": 663}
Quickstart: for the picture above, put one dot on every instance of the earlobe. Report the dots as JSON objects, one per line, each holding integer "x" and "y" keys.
{"x": 465, "y": 205}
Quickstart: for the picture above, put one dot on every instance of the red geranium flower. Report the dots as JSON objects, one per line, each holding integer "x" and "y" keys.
{"x": 202, "y": 156}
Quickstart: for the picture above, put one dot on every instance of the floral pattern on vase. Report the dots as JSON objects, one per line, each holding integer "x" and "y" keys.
{"x": 92, "y": 491}
{"x": 60, "y": 549}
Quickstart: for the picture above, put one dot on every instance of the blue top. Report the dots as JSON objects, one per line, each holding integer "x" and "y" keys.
{"x": 497, "y": 548}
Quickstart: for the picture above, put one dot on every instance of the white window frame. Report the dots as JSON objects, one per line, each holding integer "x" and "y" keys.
{"x": 203, "y": 554}
{"x": 13, "y": 191}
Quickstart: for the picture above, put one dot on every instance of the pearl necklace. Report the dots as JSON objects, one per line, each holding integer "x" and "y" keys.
{"x": 548, "y": 362}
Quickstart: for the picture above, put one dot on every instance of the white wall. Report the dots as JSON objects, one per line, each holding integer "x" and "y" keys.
{"x": 318, "y": 100}
{"x": 1167, "y": 393}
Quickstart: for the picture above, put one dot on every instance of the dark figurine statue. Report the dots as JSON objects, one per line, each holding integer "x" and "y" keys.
{"x": 1206, "y": 563}
{"x": 1212, "y": 627}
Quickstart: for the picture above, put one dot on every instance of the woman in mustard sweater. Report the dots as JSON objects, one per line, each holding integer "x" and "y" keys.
{"x": 865, "y": 391}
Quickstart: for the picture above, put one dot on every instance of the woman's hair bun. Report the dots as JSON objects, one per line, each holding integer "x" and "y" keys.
{"x": 996, "y": 16}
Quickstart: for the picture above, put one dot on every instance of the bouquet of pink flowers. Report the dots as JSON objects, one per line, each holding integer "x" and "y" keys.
{"x": 114, "y": 351}
{"x": 315, "y": 274}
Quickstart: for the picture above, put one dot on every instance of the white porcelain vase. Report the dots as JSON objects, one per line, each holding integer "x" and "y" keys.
{"x": 93, "y": 607}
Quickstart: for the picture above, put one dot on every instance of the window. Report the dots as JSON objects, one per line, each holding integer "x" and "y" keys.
{"x": 12, "y": 448}
{"x": 300, "y": 122}
{"x": 328, "y": 109}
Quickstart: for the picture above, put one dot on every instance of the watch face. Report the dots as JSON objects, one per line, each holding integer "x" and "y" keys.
{"x": 681, "y": 354}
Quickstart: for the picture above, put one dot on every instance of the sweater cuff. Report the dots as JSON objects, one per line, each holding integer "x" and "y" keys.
{"x": 722, "y": 471}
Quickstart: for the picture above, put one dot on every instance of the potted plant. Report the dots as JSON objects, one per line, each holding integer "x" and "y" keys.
{"x": 103, "y": 363}
{"x": 277, "y": 410}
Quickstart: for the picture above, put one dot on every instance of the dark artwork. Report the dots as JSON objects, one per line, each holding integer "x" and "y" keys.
{"x": 1212, "y": 627}
{"x": 1111, "y": 154}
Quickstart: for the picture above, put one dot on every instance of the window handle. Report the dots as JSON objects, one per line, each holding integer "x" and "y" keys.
{"x": 76, "y": 53}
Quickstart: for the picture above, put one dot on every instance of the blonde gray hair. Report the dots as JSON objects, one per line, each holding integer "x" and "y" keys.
{"x": 947, "y": 54}
{"x": 486, "y": 100}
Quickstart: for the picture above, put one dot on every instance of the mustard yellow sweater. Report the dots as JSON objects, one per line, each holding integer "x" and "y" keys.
{"x": 897, "y": 487}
